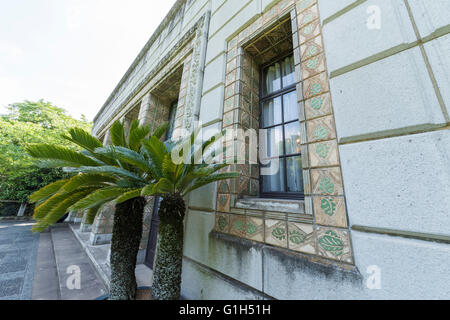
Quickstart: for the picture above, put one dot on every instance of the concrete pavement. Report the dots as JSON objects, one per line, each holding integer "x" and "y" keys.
{"x": 18, "y": 250}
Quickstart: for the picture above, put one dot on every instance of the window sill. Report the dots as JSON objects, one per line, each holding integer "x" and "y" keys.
{"x": 273, "y": 205}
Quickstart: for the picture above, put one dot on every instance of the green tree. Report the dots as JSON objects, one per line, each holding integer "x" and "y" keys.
{"x": 30, "y": 122}
{"x": 115, "y": 173}
{"x": 124, "y": 173}
{"x": 174, "y": 183}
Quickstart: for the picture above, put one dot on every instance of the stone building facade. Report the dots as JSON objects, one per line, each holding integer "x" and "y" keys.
{"x": 356, "y": 93}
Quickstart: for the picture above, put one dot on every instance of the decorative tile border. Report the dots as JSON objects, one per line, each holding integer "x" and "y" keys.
{"x": 327, "y": 235}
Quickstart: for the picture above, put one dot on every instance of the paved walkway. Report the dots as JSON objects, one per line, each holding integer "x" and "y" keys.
{"x": 18, "y": 249}
{"x": 43, "y": 266}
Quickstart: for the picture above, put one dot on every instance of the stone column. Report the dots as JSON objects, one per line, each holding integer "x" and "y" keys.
{"x": 101, "y": 231}
{"x": 126, "y": 125}
{"x": 107, "y": 139}
{"x": 71, "y": 217}
{"x": 144, "y": 111}
{"x": 84, "y": 226}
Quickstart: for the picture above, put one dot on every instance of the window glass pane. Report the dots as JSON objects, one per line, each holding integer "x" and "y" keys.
{"x": 274, "y": 182}
{"x": 294, "y": 174}
{"x": 290, "y": 106}
{"x": 288, "y": 71}
{"x": 272, "y": 79}
{"x": 292, "y": 136}
{"x": 272, "y": 112}
{"x": 274, "y": 142}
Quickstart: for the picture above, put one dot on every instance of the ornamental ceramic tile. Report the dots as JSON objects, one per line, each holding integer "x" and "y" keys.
{"x": 244, "y": 185}
{"x": 269, "y": 15}
{"x": 309, "y": 32}
{"x": 311, "y": 48}
{"x": 304, "y": 4}
{"x": 231, "y": 65}
{"x": 254, "y": 187}
{"x": 223, "y": 202}
{"x": 222, "y": 223}
{"x": 308, "y": 16}
{"x": 254, "y": 229}
{"x": 224, "y": 186}
{"x": 313, "y": 66}
{"x": 231, "y": 53}
{"x": 233, "y": 43}
{"x": 320, "y": 129}
{"x": 237, "y": 225}
{"x": 230, "y": 90}
{"x": 228, "y": 119}
{"x": 301, "y": 237}
{"x": 316, "y": 85}
{"x": 276, "y": 233}
{"x": 318, "y": 106}
{"x": 230, "y": 104}
{"x": 324, "y": 154}
{"x": 327, "y": 181}
{"x": 334, "y": 243}
{"x": 330, "y": 211}
{"x": 231, "y": 77}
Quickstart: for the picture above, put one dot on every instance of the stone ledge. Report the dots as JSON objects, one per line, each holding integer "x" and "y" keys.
{"x": 274, "y": 205}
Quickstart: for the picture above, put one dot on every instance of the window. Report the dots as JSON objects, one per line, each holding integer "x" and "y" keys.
{"x": 279, "y": 116}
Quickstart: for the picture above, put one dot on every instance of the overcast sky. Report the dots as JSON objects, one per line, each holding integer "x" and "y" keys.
{"x": 71, "y": 52}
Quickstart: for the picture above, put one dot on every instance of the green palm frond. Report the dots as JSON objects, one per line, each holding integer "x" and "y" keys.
{"x": 129, "y": 195}
{"x": 91, "y": 213}
{"x": 117, "y": 132}
{"x": 161, "y": 130}
{"x": 87, "y": 179}
{"x": 163, "y": 186}
{"x": 47, "y": 191}
{"x": 128, "y": 156}
{"x": 63, "y": 207}
{"x": 52, "y": 152}
{"x": 115, "y": 171}
{"x": 47, "y": 206}
{"x": 137, "y": 134}
{"x": 169, "y": 169}
{"x": 156, "y": 151}
{"x": 83, "y": 139}
{"x": 98, "y": 197}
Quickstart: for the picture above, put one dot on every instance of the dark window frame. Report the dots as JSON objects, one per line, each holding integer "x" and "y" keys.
{"x": 262, "y": 99}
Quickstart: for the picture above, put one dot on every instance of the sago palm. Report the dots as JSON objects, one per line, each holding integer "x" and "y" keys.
{"x": 173, "y": 183}
{"x": 103, "y": 174}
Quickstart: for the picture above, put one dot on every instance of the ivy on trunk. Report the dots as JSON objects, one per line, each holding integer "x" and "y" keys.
{"x": 167, "y": 277}
{"x": 127, "y": 233}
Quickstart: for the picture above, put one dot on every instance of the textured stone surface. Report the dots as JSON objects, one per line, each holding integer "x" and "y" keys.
{"x": 200, "y": 283}
{"x": 437, "y": 51}
{"x": 68, "y": 252}
{"x": 430, "y": 15}
{"x": 348, "y": 40}
{"x": 18, "y": 249}
{"x": 296, "y": 277}
{"x": 409, "y": 269}
{"x": 399, "y": 183}
{"x": 329, "y": 7}
{"x": 396, "y": 95}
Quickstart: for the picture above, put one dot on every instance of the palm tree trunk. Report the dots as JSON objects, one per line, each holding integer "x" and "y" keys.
{"x": 126, "y": 238}
{"x": 167, "y": 276}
